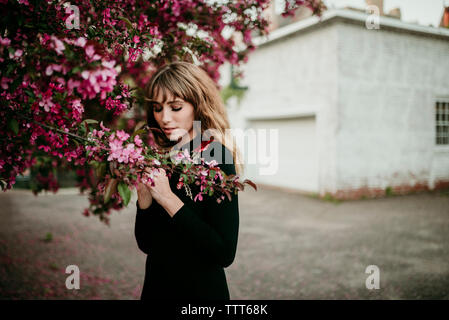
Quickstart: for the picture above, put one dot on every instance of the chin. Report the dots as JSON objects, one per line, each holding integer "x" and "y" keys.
{"x": 173, "y": 137}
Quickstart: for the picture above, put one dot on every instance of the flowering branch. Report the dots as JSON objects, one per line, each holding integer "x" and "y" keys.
{"x": 59, "y": 68}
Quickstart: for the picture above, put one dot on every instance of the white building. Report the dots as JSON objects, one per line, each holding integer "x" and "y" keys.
{"x": 355, "y": 108}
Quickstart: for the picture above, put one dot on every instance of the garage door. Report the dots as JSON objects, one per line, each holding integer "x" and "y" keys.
{"x": 297, "y": 154}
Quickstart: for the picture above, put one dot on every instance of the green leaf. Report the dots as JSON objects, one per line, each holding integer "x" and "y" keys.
{"x": 11, "y": 67}
{"x": 13, "y": 125}
{"x": 140, "y": 125}
{"x": 15, "y": 84}
{"x": 76, "y": 69}
{"x": 89, "y": 121}
{"x": 94, "y": 163}
{"x": 110, "y": 189}
{"x": 138, "y": 132}
{"x": 48, "y": 237}
{"x": 100, "y": 170}
{"x": 128, "y": 23}
{"x": 29, "y": 93}
{"x": 125, "y": 193}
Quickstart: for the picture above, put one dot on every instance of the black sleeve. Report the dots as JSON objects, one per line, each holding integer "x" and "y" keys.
{"x": 141, "y": 231}
{"x": 218, "y": 237}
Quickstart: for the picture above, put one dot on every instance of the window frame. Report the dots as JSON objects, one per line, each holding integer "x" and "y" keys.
{"x": 438, "y": 122}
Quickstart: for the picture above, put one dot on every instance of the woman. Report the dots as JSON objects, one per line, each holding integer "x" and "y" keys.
{"x": 188, "y": 243}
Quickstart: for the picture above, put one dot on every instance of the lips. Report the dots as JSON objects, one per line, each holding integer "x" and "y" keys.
{"x": 169, "y": 129}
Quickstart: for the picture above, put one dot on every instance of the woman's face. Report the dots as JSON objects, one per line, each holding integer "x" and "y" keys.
{"x": 175, "y": 114}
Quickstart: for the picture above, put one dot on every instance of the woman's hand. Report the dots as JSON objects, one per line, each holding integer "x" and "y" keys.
{"x": 163, "y": 194}
{"x": 161, "y": 190}
{"x": 144, "y": 197}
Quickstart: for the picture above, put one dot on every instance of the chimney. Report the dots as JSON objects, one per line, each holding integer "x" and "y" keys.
{"x": 395, "y": 13}
{"x": 445, "y": 18}
{"x": 377, "y": 3}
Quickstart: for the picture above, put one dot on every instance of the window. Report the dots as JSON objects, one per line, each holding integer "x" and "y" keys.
{"x": 442, "y": 122}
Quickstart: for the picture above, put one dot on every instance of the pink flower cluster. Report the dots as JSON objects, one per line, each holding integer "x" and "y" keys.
{"x": 129, "y": 153}
{"x": 99, "y": 81}
{"x": 116, "y": 104}
{"x": 49, "y": 82}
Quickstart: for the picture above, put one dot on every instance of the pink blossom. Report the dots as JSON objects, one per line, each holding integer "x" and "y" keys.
{"x": 122, "y": 135}
{"x": 108, "y": 64}
{"x": 98, "y": 133}
{"x": 103, "y": 127}
{"x": 58, "y": 45}
{"x": 72, "y": 84}
{"x": 5, "y": 82}
{"x": 134, "y": 53}
{"x": 129, "y": 154}
{"x": 116, "y": 105}
{"x": 97, "y": 81}
{"x": 51, "y": 68}
{"x": 219, "y": 175}
{"x": 212, "y": 163}
{"x": 5, "y": 41}
{"x": 138, "y": 141}
{"x": 46, "y": 101}
{"x": 198, "y": 196}
{"x": 90, "y": 52}
{"x": 17, "y": 54}
{"x": 77, "y": 109}
{"x": 80, "y": 42}
{"x": 107, "y": 17}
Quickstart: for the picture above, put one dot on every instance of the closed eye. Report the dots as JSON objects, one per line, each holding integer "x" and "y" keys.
{"x": 159, "y": 109}
{"x": 176, "y": 105}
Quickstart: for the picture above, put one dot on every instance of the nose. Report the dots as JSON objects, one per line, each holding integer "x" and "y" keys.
{"x": 166, "y": 116}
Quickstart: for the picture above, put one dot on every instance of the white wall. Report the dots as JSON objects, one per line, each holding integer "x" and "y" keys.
{"x": 373, "y": 94}
{"x": 387, "y": 85}
{"x": 298, "y": 73}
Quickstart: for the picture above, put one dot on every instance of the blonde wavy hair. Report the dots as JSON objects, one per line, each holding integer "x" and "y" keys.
{"x": 191, "y": 83}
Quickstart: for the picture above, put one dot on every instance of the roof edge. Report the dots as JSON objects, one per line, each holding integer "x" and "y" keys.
{"x": 350, "y": 16}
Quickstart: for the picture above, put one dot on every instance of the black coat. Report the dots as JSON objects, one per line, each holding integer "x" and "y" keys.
{"x": 187, "y": 253}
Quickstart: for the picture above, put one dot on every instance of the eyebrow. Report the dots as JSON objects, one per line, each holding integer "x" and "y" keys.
{"x": 170, "y": 102}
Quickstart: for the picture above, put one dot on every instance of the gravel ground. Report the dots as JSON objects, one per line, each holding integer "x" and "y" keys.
{"x": 290, "y": 247}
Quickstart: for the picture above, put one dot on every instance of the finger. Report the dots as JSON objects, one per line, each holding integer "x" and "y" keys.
{"x": 144, "y": 187}
{"x": 140, "y": 187}
{"x": 148, "y": 169}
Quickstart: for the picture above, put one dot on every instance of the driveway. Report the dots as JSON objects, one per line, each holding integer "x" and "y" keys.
{"x": 291, "y": 246}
